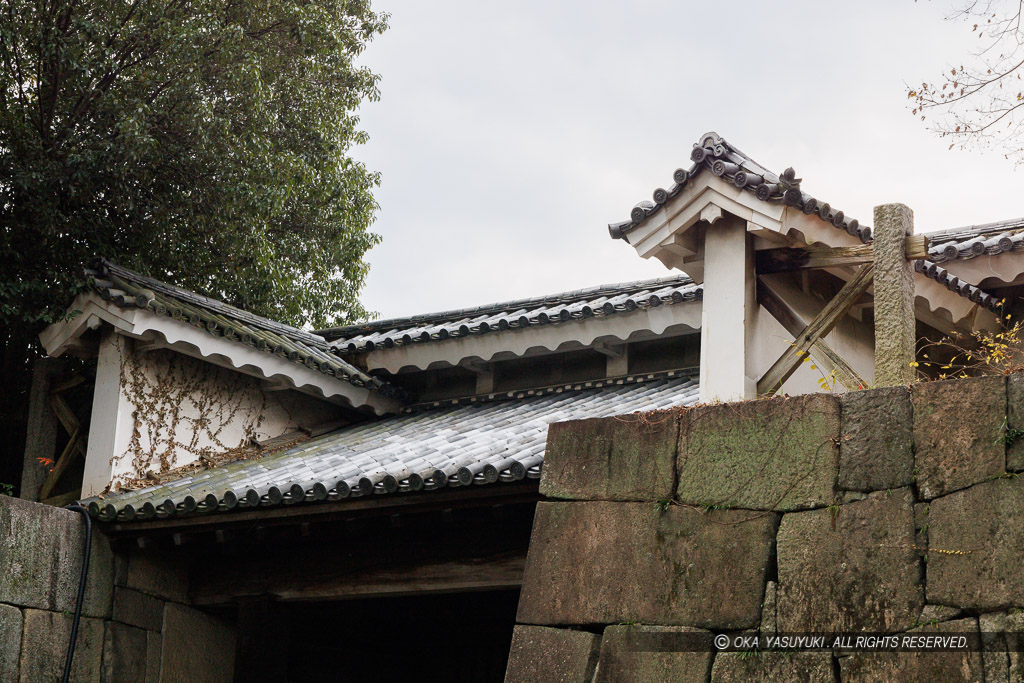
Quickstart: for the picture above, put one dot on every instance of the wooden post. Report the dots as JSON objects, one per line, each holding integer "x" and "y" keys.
{"x": 894, "y": 296}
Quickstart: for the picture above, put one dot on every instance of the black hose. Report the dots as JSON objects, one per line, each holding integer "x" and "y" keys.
{"x": 81, "y": 588}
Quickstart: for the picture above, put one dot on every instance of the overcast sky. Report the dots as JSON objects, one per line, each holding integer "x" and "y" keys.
{"x": 509, "y": 134}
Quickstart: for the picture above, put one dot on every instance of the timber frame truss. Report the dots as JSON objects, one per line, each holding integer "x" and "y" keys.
{"x": 809, "y": 339}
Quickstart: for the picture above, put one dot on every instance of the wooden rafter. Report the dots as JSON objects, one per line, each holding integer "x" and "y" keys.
{"x": 808, "y": 258}
{"x": 821, "y": 352}
{"x": 827, "y": 318}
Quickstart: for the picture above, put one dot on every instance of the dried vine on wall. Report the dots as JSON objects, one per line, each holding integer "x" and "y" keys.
{"x": 181, "y": 409}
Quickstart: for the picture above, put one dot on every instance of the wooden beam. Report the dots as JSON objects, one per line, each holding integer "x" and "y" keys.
{"x": 821, "y": 352}
{"x": 525, "y": 491}
{"x": 610, "y": 350}
{"x": 822, "y": 324}
{"x": 63, "y": 499}
{"x": 287, "y": 581}
{"x": 808, "y": 258}
{"x": 68, "y": 384}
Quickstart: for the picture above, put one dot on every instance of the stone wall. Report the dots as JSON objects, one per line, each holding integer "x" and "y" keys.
{"x": 889, "y": 510}
{"x": 135, "y": 626}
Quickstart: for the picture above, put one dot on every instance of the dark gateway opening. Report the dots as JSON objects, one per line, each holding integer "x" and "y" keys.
{"x": 422, "y": 587}
{"x": 446, "y": 637}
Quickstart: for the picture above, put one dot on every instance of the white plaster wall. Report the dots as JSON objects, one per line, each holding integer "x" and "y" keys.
{"x": 181, "y": 409}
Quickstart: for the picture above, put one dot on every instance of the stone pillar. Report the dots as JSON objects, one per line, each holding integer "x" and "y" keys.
{"x": 895, "y": 336}
{"x": 42, "y": 428}
{"x": 727, "y": 322}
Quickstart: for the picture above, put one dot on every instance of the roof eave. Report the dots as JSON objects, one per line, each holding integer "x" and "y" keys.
{"x": 90, "y": 311}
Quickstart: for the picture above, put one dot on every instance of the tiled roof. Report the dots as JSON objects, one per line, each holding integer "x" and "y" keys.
{"x": 601, "y": 301}
{"x": 713, "y": 154}
{"x": 481, "y": 442}
{"x": 128, "y": 289}
{"x": 976, "y": 240}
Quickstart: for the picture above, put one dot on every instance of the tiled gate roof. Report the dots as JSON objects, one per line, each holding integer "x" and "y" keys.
{"x": 478, "y": 443}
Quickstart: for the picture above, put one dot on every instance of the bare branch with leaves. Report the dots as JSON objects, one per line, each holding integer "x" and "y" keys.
{"x": 973, "y": 354}
{"x": 980, "y": 103}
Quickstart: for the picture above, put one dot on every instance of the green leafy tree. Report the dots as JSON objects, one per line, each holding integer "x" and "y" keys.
{"x": 202, "y": 142}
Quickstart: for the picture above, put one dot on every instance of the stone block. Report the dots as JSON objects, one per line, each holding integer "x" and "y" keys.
{"x": 850, "y": 568}
{"x": 604, "y": 562}
{"x": 975, "y": 537}
{"x": 551, "y": 655}
{"x": 1015, "y": 420}
{"x": 124, "y": 653}
{"x": 1002, "y": 637}
{"x": 631, "y": 457}
{"x": 44, "y": 647}
{"x": 121, "y": 569}
{"x": 41, "y": 551}
{"x": 958, "y": 433}
{"x": 154, "y": 644}
{"x": 740, "y": 667}
{"x": 10, "y": 642}
{"x": 138, "y": 609}
{"x": 99, "y": 584}
{"x": 650, "y": 654}
{"x": 933, "y": 614}
{"x": 948, "y": 667}
{"x": 776, "y": 454}
{"x": 876, "y": 448}
{"x": 161, "y": 575}
{"x": 197, "y": 647}
{"x": 769, "y": 625}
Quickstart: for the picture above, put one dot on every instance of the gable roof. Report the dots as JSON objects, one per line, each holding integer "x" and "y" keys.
{"x": 128, "y": 289}
{"x": 474, "y": 443}
{"x": 600, "y": 301}
{"x": 712, "y": 153}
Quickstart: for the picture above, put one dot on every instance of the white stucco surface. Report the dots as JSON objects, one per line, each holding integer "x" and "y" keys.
{"x": 159, "y": 410}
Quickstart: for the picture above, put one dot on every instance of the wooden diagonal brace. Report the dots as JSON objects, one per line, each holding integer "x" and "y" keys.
{"x": 821, "y": 352}
{"x": 822, "y": 324}
{"x": 65, "y": 459}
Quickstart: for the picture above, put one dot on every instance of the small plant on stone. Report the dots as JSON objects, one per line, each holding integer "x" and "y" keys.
{"x": 662, "y": 505}
{"x": 6, "y": 489}
{"x": 1007, "y": 434}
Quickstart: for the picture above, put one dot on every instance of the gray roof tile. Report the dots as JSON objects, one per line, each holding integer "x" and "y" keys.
{"x": 460, "y": 443}
{"x": 128, "y": 289}
{"x": 552, "y": 309}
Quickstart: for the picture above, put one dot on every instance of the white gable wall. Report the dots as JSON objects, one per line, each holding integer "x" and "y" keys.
{"x": 158, "y": 410}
